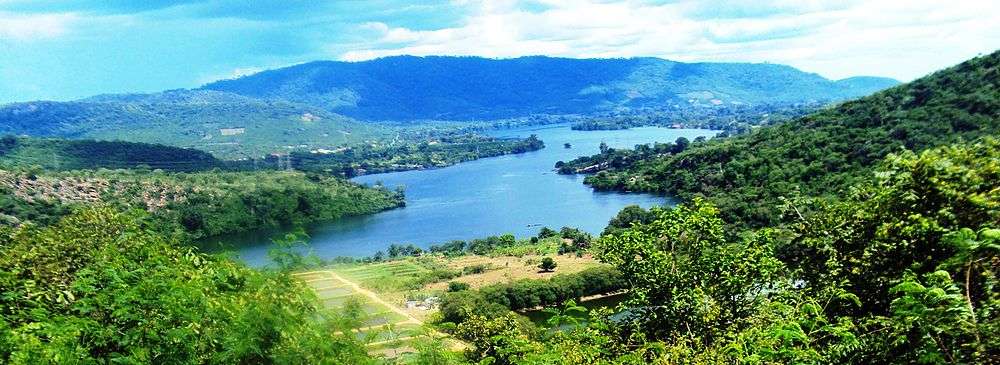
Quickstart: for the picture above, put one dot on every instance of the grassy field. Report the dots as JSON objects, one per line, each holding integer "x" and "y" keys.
{"x": 503, "y": 269}
{"x": 386, "y": 328}
{"x": 381, "y": 290}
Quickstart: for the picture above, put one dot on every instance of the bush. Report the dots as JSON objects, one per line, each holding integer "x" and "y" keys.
{"x": 456, "y": 286}
{"x": 475, "y": 269}
{"x": 530, "y": 293}
{"x": 547, "y": 265}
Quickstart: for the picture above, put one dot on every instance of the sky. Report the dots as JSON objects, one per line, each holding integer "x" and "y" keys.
{"x": 63, "y": 50}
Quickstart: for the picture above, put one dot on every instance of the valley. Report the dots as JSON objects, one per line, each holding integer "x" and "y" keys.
{"x": 516, "y": 194}
{"x": 243, "y": 202}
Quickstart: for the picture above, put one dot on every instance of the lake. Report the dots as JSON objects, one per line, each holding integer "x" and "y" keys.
{"x": 508, "y": 194}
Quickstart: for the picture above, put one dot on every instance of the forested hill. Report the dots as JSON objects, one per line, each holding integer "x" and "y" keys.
{"x": 226, "y": 124}
{"x": 62, "y": 154}
{"x": 464, "y": 88}
{"x": 824, "y": 152}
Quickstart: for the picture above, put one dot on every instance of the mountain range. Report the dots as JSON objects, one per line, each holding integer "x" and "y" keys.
{"x": 470, "y": 88}
{"x": 326, "y": 104}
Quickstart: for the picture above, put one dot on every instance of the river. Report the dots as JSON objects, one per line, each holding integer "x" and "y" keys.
{"x": 508, "y": 194}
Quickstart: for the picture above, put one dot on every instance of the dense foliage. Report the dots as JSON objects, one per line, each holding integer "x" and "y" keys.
{"x": 614, "y": 159}
{"x": 730, "y": 119}
{"x": 825, "y": 152}
{"x": 470, "y": 88}
{"x": 62, "y": 154}
{"x": 902, "y": 270}
{"x": 530, "y": 293}
{"x": 685, "y": 277}
{"x": 200, "y": 204}
{"x": 102, "y": 287}
{"x": 407, "y": 156}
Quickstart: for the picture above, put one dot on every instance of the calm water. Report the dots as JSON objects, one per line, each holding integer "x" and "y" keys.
{"x": 509, "y": 194}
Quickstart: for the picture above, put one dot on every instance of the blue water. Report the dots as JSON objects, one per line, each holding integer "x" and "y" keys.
{"x": 508, "y": 194}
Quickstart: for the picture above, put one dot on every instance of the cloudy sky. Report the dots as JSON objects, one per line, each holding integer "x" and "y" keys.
{"x": 61, "y": 50}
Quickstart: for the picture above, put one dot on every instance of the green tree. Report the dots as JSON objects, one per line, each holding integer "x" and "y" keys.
{"x": 547, "y": 264}
{"x": 686, "y": 279}
{"x": 102, "y": 287}
{"x": 455, "y": 286}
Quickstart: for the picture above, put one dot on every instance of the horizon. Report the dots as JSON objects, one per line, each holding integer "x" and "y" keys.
{"x": 197, "y": 87}
{"x": 71, "y": 50}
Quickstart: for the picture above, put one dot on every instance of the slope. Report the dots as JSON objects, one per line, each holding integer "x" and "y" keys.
{"x": 470, "y": 88}
{"x": 225, "y": 124}
{"x": 824, "y": 152}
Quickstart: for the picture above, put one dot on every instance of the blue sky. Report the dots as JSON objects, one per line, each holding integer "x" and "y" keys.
{"x": 61, "y": 50}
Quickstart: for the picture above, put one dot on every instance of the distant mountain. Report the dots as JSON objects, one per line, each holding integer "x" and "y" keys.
{"x": 468, "y": 88}
{"x": 824, "y": 152}
{"x": 226, "y": 124}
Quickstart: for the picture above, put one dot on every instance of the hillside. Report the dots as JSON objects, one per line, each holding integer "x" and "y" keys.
{"x": 824, "y": 152}
{"x": 200, "y": 204}
{"x": 224, "y": 124}
{"x": 63, "y": 154}
{"x": 467, "y": 88}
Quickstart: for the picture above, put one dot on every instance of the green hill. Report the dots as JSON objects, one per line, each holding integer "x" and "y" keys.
{"x": 63, "y": 154}
{"x": 471, "y": 88}
{"x": 224, "y": 124}
{"x": 824, "y": 152}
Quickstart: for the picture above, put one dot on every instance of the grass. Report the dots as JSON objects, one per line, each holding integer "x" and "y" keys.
{"x": 511, "y": 268}
{"x": 395, "y": 281}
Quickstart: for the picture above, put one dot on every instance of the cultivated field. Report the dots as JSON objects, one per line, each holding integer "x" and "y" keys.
{"x": 382, "y": 289}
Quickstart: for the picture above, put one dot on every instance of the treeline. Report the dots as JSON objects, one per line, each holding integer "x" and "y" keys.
{"x": 531, "y": 293}
{"x": 823, "y": 153}
{"x": 571, "y": 240}
{"x": 730, "y": 119}
{"x": 63, "y": 154}
{"x": 448, "y": 148}
{"x": 613, "y": 159}
{"x": 199, "y": 204}
{"x": 367, "y": 159}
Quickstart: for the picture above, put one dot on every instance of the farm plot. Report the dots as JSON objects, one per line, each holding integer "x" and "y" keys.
{"x": 385, "y": 324}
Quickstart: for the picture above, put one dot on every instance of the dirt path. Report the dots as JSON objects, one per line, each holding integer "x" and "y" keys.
{"x": 410, "y": 319}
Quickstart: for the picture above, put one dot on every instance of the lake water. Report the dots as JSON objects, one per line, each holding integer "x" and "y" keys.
{"x": 508, "y": 194}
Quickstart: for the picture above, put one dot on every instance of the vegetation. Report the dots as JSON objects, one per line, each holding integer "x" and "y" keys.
{"x": 226, "y": 125}
{"x": 547, "y": 264}
{"x": 730, "y": 119}
{"x": 408, "y": 88}
{"x": 610, "y": 159}
{"x": 446, "y": 151}
{"x": 531, "y": 293}
{"x": 824, "y": 153}
{"x": 102, "y": 287}
{"x": 902, "y": 270}
{"x": 52, "y": 154}
{"x": 199, "y": 204}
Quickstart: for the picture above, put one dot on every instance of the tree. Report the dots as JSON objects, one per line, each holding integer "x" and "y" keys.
{"x": 685, "y": 277}
{"x": 101, "y": 287}
{"x": 547, "y": 232}
{"x": 547, "y": 264}
{"x": 456, "y": 286}
{"x": 632, "y": 214}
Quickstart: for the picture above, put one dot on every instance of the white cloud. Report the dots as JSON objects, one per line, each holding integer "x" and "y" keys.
{"x": 31, "y": 27}
{"x": 901, "y": 39}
